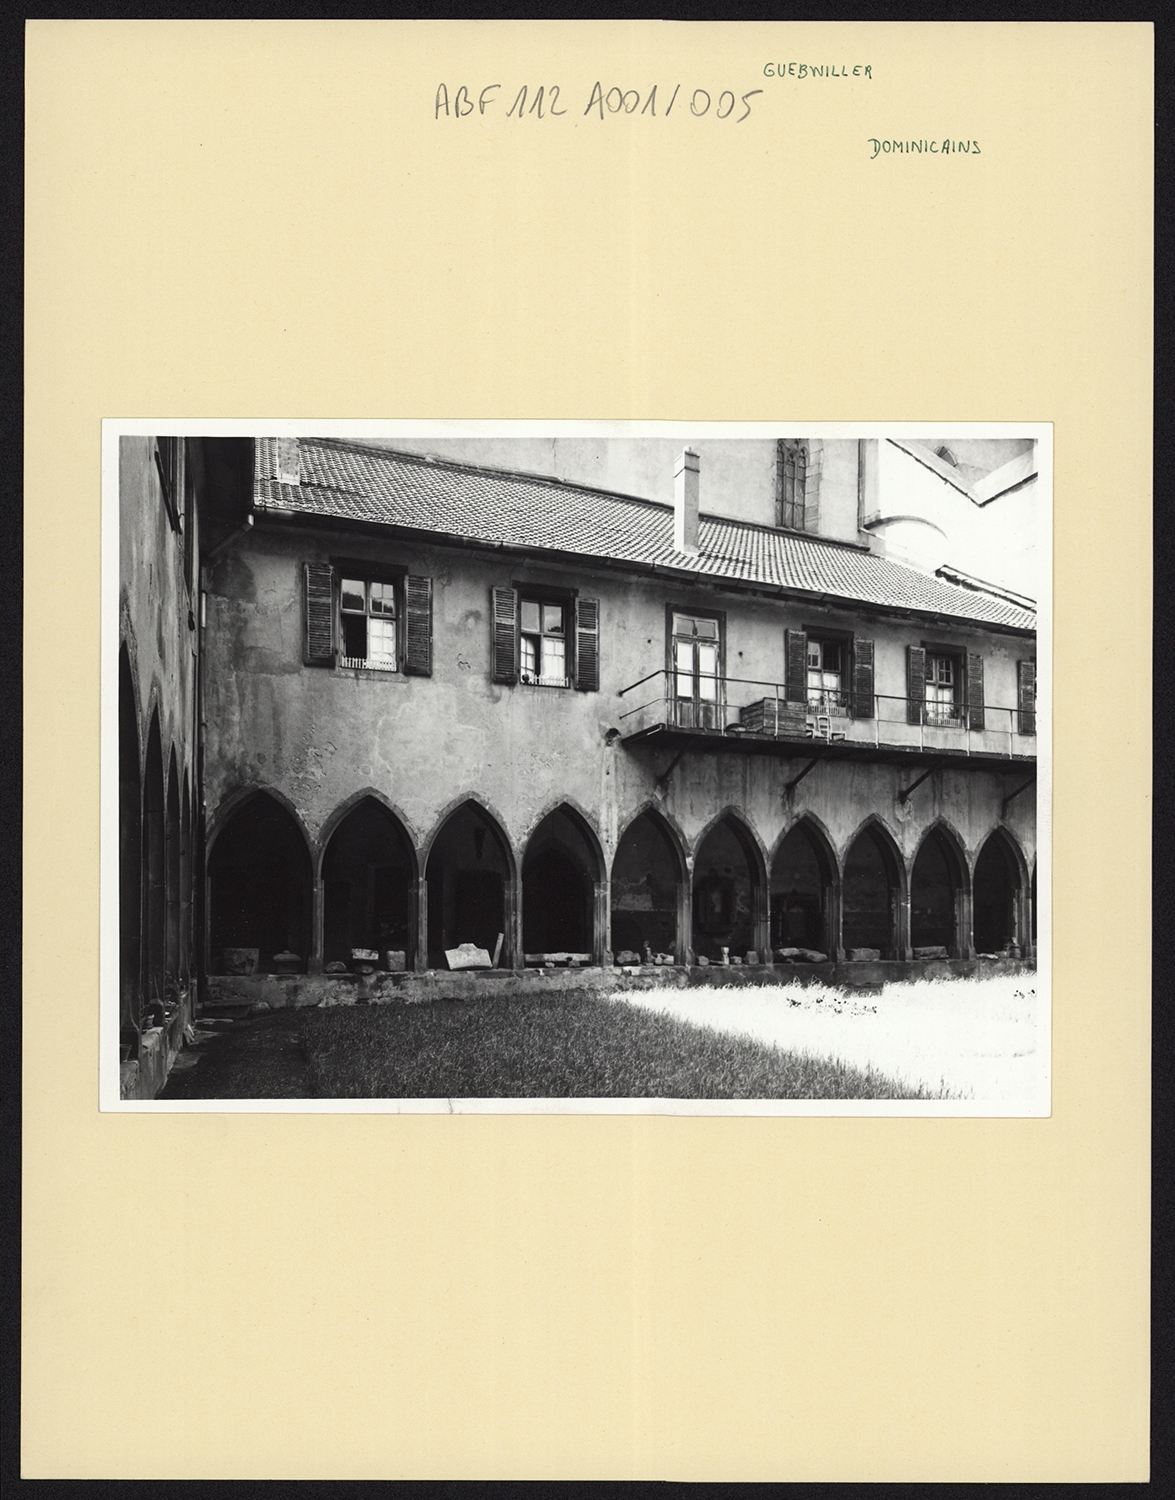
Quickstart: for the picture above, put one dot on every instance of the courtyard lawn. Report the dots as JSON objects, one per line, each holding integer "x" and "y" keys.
{"x": 563, "y": 1046}
{"x": 983, "y": 1040}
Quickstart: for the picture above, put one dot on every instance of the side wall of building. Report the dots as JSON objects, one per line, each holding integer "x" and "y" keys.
{"x": 158, "y": 644}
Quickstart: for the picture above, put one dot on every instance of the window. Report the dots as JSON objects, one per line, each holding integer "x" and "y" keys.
{"x": 942, "y": 690}
{"x": 544, "y": 639}
{"x": 358, "y": 618}
{"x": 944, "y": 687}
{"x": 829, "y": 671}
{"x": 543, "y": 642}
{"x": 791, "y": 482}
{"x": 826, "y": 677}
{"x": 368, "y": 611}
{"x": 695, "y": 651}
{"x": 1026, "y": 694}
{"x": 167, "y": 462}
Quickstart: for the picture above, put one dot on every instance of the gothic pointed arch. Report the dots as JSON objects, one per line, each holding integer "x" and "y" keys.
{"x": 729, "y": 893}
{"x": 368, "y": 870}
{"x": 563, "y": 887}
{"x": 130, "y": 853}
{"x": 259, "y": 880}
{"x": 872, "y": 894}
{"x": 1000, "y": 886}
{"x": 805, "y": 890}
{"x": 940, "y": 895}
{"x": 471, "y": 878}
{"x": 650, "y": 887}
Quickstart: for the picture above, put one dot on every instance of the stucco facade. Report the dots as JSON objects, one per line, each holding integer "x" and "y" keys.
{"x": 588, "y": 817}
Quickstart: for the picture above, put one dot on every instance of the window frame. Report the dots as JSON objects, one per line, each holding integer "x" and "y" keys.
{"x": 354, "y": 570}
{"x": 957, "y": 718}
{"x": 791, "y": 507}
{"x": 169, "y": 467}
{"x": 671, "y": 697}
{"x": 563, "y": 599}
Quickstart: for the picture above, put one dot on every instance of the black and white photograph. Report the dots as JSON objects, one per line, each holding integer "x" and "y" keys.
{"x": 582, "y": 767}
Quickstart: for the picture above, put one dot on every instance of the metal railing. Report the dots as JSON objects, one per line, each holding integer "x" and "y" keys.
{"x": 763, "y": 711}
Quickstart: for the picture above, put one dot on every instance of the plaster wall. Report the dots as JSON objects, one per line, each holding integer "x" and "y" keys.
{"x": 319, "y": 736}
{"x": 154, "y": 603}
{"x": 737, "y": 477}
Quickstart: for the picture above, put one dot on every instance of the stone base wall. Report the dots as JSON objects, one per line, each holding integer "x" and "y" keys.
{"x": 278, "y": 991}
{"x": 159, "y": 1046}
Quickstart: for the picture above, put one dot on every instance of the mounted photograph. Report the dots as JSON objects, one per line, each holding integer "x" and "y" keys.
{"x": 576, "y": 767}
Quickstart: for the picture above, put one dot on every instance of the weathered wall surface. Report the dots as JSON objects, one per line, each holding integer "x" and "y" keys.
{"x": 737, "y": 474}
{"x": 319, "y": 736}
{"x": 154, "y": 603}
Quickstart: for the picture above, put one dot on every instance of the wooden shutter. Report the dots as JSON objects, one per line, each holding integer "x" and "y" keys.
{"x": 505, "y": 638}
{"x": 1026, "y": 684}
{"x": 320, "y": 616}
{"x": 862, "y": 678}
{"x": 796, "y": 665}
{"x": 974, "y": 690}
{"x": 587, "y": 645}
{"x": 915, "y": 683}
{"x": 418, "y": 626}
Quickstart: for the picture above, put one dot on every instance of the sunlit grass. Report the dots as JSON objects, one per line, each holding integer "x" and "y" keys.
{"x": 570, "y": 1045}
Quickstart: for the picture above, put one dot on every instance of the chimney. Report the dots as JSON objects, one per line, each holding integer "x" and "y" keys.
{"x": 685, "y": 502}
{"x": 289, "y": 461}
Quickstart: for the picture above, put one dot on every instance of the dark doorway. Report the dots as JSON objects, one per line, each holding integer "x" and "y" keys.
{"x": 559, "y": 874}
{"x": 871, "y": 886}
{"x": 174, "y": 861}
{"x": 259, "y": 878}
{"x": 935, "y": 890}
{"x": 368, "y": 878}
{"x": 725, "y": 883}
{"x": 130, "y": 852}
{"x": 801, "y": 890}
{"x": 645, "y": 885}
{"x": 468, "y": 872}
{"x": 997, "y": 886}
{"x": 154, "y": 865}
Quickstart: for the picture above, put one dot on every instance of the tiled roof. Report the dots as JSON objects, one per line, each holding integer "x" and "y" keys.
{"x": 347, "y": 482}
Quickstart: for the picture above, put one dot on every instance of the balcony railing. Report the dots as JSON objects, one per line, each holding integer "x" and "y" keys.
{"x": 763, "y": 713}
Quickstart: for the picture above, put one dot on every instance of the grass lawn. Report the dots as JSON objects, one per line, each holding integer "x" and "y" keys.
{"x": 559, "y": 1046}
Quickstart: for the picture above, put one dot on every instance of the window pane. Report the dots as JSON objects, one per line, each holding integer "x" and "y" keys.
{"x": 383, "y": 599}
{"x": 381, "y": 642}
{"x": 530, "y": 657}
{"x": 554, "y": 665}
{"x": 706, "y": 628}
{"x": 530, "y": 616}
{"x": 553, "y": 619}
{"x": 814, "y": 657}
{"x": 707, "y": 672}
{"x": 353, "y": 592}
{"x": 683, "y": 625}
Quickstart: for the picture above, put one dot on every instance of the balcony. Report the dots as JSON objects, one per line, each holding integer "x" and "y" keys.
{"x": 750, "y": 716}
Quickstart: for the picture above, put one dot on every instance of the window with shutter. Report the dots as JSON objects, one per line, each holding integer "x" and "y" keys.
{"x": 587, "y": 645}
{"x": 1026, "y": 685}
{"x": 862, "y": 678}
{"x": 974, "y": 690}
{"x": 504, "y": 648}
{"x": 418, "y": 626}
{"x": 319, "y": 648}
{"x": 796, "y": 665}
{"x": 915, "y": 683}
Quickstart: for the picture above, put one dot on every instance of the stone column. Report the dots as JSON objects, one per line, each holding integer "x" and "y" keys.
{"x": 601, "y": 937}
{"x": 685, "y": 916}
{"x": 419, "y": 918}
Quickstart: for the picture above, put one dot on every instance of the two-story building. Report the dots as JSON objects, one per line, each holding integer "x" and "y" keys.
{"x": 612, "y": 700}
